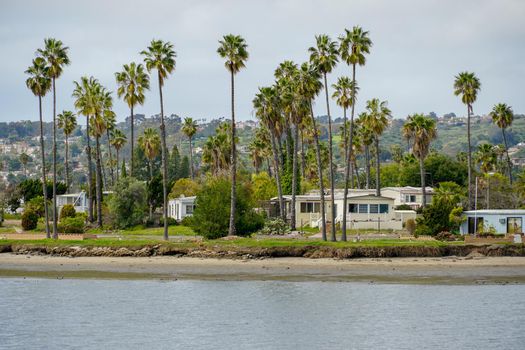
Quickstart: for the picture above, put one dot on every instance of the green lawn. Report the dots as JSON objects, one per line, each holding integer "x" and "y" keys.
{"x": 147, "y": 231}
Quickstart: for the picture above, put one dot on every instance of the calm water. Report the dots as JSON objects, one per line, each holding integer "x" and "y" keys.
{"x": 112, "y": 314}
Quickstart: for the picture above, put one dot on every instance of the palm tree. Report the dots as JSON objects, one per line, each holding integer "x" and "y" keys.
{"x": 421, "y": 130}
{"x": 132, "y": 82}
{"x": 189, "y": 128}
{"x": 161, "y": 56}
{"x": 264, "y": 104}
{"x": 344, "y": 94}
{"x": 503, "y": 116}
{"x": 308, "y": 86}
{"x": 85, "y": 99}
{"x": 487, "y": 158}
{"x": 39, "y": 83}
{"x": 377, "y": 119}
{"x": 56, "y": 58}
{"x": 366, "y": 138}
{"x": 233, "y": 49}
{"x": 324, "y": 57}
{"x": 67, "y": 121}
{"x": 24, "y": 159}
{"x": 111, "y": 124}
{"x": 467, "y": 85}
{"x": 150, "y": 144}
{"x": 118, "y": 140}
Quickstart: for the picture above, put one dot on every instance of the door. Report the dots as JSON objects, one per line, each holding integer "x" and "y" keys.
{"x": 514, "y": 225}
{"x": 474, "y": 225}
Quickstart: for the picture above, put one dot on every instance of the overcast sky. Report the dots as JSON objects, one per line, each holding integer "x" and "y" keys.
{"x": 419, "y": 46}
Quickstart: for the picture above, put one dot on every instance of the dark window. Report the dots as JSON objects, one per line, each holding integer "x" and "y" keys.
{"x": 352, "y": 208}
{"x": 383, "y": 208}
{"x": 374, "y": 208}
{"x": 363, "y": 208}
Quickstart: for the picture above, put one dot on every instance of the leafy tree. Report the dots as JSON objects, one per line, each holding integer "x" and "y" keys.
{"x": 233, "y": 49}
{"x": 211, "y": 214}
{"x": 128, "y": 204}
{"x": 184, "y": 170}
{"x": 29, "y": 220}
{"x": 161, "y": 56}
{"x": 263, "y": 186}
{"x": 186, "y": 187}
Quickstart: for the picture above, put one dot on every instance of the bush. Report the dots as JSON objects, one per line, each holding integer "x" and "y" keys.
{"x": 410, "y": 226}
{"x": 171, "y": 222}
{"x": 184, "y": 187}
{"x": 446, "y": 236}
{"x": 403, "y": 207}
{"x": 128, "y": 205}
{"x": 71, "y": 224}
{"x": 67, "y": 211}
{"x": 36, "y": 205}
{"x": 212, "y": 210}
{"x": 29, "y": 220}
{"x": 275, "y": 227}
{"x": 187, "y": 221}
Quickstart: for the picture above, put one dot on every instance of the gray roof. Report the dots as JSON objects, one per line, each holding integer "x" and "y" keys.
{"x": 496, "y": 212}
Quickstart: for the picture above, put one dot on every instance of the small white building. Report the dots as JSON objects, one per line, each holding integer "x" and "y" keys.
{"x": 181, "y": 207}
{"x": 502, "y": 220}
{"x": 411, "y": 196}
{"x": 78, "y": 200}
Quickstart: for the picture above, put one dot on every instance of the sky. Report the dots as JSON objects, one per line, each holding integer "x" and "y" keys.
{"x": 418, "y": 48}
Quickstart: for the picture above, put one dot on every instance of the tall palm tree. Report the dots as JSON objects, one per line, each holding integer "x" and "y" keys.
{"x": 24, "y": 159}
{"x": 308, "y": 86}
{"x": 189, "y": 128}
{"x": 467, "y": 85}
{"x": 39, "y": 83}
{"x": 366, "y": 138}
{"x": 118, "y": 140}
{"x": 487, "y": 159}
{"x": 377, "y": 119}
{"x": 67, "y": 121}
{"x": 132, "y": 81}
{"x": 324, "y": 56}
{"x": 503, "y": 116}
{"x": 85, "y": 103}
{"x": 233, "y": 49}
{"x": 354, "y": 45}
{"x": 421, "y": 130}
{"x": 344, "y": 94}
{"x": 56, "y": 58}
{"x": 161, "y": 56}
{"x": 111, "y": 124}
{"x": 150, "y": 144}
{"x": 264, "y": 104}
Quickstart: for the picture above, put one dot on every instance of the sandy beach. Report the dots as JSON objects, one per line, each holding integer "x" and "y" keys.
{"x": 449, "y": 270}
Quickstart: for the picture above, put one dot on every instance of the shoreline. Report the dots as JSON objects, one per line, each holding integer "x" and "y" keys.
{"x": 443, "y": 270}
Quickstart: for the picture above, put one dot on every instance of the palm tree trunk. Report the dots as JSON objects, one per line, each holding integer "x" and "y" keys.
{"x": 356, "y": 169}
{"x": 277, "y": 174}
{"x": 164, "y": 163}
{"x": 268, "y": 166}
{"x": 351, "y": 136}
{"x": 288, "y": 140}
{"x": 110, "y": 158}
{"x": 55, "y": 233}
{"x": 330, "y": 161}
{"x": 150, "y": 181}
{"x": 117, "y": 150}
{"x": 90, "y": 173}
{"x": 367, "y": 165}
{"x": 103, "y": 170}
{"x": 191, "y": 161}
{"x": 67, "y": 164}
{"x": 98, "y": 182}
{"x": 281, "y": 153}
{"x": 233, "y": 167}
{"x": 132, "y": 142}
{"x": 294, "y": 176}
{"x": 423, "y": 183}
{"x": 347, "y": 175}
{"x": 42, "y": 154}
{"x": 320, "y": 173}
{"x": 303, "y": 156}
{"x": 378, "y": 169}
{"x": 509, "y": 163}
{"x": 469, "y": 160}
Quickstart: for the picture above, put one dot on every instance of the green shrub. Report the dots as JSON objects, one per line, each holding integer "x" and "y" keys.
{"x": 410, "y": 226}
{"x": 36, "y": 205}
{"x": 275, "y": 227}
{"x": 187, "y": 221}
{"x": 29, "y": 220}
{"x": 71, "y": 224}
{"x": 403, "y": 207}
{"x": 171, "y": 222}
{"x": 211, "y": 216}
{"x": 67, "y": 211}
{"x": 128, "y": 205}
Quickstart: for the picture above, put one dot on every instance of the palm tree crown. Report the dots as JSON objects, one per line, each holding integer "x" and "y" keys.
{"x": 189, "y": 127}
{"x": 161, "y": 56}
{"x": 67, "y": 121}
{"x": 132, "y": 82}
{"x": 233, "y": 48}
{"x": 38, "y": 82}
{"x": 149, "y": 141}
{"x": 56, "y": 56}
{"x": 502, "y": 115}
{"x": 467, "y": 85}
{"x": 118, "y": 139}
{"x": 354, "y": 45}
{"x": 343, "y": 92}
{"x": 421, "y": 130}
{"x": 377, "y": 117}
{"x": 325, "y": 54}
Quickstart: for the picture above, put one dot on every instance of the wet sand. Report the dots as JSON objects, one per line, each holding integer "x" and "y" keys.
{"x": 449, "y": 270}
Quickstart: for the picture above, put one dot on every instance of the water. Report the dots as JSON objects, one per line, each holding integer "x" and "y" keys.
{"x": 116, "y": 314}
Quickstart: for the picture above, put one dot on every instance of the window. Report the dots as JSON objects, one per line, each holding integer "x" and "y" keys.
{"x": 374, "y": 208}
{"x": 363, "y": 208}
{"x": 383, "y": 208}
{"x": 410, "y": 198}
{"x": 352, "y": 208}
{"x": 514, "y": 225}
{"x": 189, "y": 209}
{"x": 310, "y": 207}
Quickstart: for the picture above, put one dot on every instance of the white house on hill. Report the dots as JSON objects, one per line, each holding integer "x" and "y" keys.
{"x": 181, "y": 207}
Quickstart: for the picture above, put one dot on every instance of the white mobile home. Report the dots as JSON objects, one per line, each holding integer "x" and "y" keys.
{"x": 181, "y": 207}
{"x": 502, "y": 220}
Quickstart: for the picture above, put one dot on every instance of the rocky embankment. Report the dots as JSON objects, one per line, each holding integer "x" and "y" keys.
{"x": 240, "y": 252}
